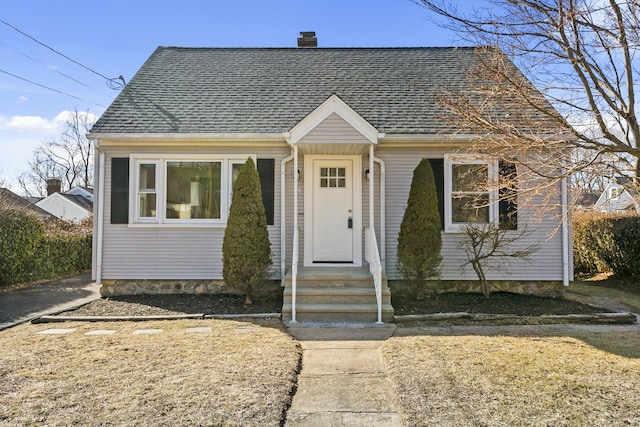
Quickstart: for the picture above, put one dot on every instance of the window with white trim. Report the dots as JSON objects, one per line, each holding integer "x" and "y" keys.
{"x": 470, "y": 192}
{"x": 183, "y": 190}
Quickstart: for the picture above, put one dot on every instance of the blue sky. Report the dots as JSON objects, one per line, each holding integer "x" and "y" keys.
{"x": 114, "y": 38}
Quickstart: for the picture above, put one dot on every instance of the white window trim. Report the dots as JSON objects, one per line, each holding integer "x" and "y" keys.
{"x": 449, "y": 161}
{"x": 161, "y": 161}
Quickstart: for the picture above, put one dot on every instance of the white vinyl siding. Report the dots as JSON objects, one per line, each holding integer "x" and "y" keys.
{"x": 546, "y": 262}
{"x": 176, "y": 252}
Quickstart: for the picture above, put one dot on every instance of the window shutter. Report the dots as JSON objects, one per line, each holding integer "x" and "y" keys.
{"x": 266, "y": 169}
{"x": 438, "y": 173}
{"x": 120, "y": 190}
{"x": 508, "y": 204}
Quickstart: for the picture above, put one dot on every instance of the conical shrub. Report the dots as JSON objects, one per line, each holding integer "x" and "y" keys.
{"x": 420, "y": 240}
{"x": 246, "y": 249}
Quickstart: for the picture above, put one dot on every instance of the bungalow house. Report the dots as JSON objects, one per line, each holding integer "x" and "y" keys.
{"x": 335, "y": 133}
{"x": 619, "y": 196}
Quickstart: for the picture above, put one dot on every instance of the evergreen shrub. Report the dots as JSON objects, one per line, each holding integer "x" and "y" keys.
{"x": 607, "y": 243}
{"x": 420, "y": 238}
{"x": 32, "y": 249}
{"x": 246, "y": 249}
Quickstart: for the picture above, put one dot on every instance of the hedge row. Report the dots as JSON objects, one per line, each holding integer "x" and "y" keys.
{"x": 607, "y": 243}
{"x": 32, "y": 249}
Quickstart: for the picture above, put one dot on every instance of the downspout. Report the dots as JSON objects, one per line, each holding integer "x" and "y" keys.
{"x": 283, "y": 217}
{"x": 565, "y": 232}
{"x": 383, "y": 210}
{"x": 100, "y": 216}
{"x": 371, "y": 189}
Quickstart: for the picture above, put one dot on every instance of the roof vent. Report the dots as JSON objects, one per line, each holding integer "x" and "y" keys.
{"x": 308, "y": 39}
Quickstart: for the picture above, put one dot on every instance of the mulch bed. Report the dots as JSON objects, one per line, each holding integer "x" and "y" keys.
{"x": 499, "y": 303}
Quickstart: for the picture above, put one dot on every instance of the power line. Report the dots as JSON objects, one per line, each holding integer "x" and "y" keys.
{"x": 52, "y": 69}
{"x": 51, "y": 89}
{"x": 108, "y": 79}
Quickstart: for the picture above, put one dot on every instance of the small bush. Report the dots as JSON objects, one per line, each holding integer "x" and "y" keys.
{"x": 607, "y": 243}
{"x": 32, "y": 249}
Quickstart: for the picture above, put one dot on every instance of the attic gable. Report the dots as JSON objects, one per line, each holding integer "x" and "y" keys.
{"x": 331, "y": 108}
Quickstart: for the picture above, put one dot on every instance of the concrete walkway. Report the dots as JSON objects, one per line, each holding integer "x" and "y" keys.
{"x": 343, "y": 381}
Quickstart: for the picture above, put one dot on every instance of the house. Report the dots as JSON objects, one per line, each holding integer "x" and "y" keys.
{"x": 619, "y": 196}
{"x": 75, "y": 204}
{"x": 336, "y": 134}
{"x": 10, "y": 200}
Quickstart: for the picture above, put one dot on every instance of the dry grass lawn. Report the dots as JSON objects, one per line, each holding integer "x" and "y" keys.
{"x": 239, "y": 374}
{"x": 591, "y": 380}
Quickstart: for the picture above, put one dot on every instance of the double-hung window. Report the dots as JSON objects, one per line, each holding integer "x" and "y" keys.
{"x": 182, "y": 190}
{"x": 470, "y": 192}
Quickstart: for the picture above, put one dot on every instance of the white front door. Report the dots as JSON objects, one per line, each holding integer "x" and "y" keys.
{"x": 333, "y": 213}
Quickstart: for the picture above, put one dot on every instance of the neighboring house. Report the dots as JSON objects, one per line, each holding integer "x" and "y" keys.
{"x": 75, "y": 205}
{"x": 336, "y": 135}
{"x": 10, "y": 200}
{"x": 619, "y": 196}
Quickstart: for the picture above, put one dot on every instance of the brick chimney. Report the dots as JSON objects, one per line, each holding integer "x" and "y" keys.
{"x": 54, "y": 185}
{"x": 308, "y": 39}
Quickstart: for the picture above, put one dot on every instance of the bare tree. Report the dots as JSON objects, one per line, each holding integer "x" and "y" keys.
{"x": 484, "y": 241}
{"x": 69, "y": 157}
{"x": 580, "y": 55}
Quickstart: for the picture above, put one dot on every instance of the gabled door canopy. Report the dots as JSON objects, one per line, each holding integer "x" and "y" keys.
{"x": 332, "y": 105}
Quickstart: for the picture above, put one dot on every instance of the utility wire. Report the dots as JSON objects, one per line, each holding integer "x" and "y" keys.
{"x": 51, "y": 89}
{"x": 52, "y": 69}
{"x": 111, "y": 80}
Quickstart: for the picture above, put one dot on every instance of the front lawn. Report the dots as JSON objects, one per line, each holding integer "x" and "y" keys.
{"x": 476, "y": 380}
{"x": 236, "y": 374}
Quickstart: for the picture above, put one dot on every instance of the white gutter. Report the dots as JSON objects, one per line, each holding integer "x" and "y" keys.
{"x": 383, "y": 215}
{"x": 565, "y": 232}
{"x": 283, "y": 217}
{"x": 100, "y": 216}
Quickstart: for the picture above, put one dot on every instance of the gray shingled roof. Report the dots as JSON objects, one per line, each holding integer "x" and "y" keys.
{"x": 247, "y": 90}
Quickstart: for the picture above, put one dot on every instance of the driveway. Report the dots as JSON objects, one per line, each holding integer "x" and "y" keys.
{"x": 21, "y": 305}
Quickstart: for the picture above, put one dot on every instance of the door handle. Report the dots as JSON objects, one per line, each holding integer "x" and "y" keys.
{"x": 350, "y": 222}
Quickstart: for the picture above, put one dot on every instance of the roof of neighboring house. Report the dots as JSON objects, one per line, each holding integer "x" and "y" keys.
{"x": 270, "y": 90}
{"x": 10, "y": 199}
{"x": 79, "y": 200}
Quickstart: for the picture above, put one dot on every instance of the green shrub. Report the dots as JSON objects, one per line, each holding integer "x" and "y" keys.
{"x": 607, "y": 243}
{"x": 32, "y": 249}
{"x": 246, "y": 249}
{"x": 420, "y": 240}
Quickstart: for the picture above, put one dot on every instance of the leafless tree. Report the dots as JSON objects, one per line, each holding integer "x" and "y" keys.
{"x": 580, "y": 55}
{"x": 69, "y": 157}
{"x": 484, "y": 241}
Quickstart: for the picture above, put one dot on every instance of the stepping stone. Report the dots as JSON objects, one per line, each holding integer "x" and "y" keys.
{"x": 204, "y": 329}
{"x": 56, "y": 331}
{"x": 147, "y": 331}
{"x": 101, "y": 332}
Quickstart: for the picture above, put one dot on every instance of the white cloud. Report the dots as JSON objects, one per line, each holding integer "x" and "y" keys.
{"x": 20, "y": 135}
{"x": 23, "y": 99}
{"x": 24, "y": 124}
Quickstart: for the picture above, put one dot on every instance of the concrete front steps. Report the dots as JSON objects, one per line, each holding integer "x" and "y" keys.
{"x": 336, "y": 294}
